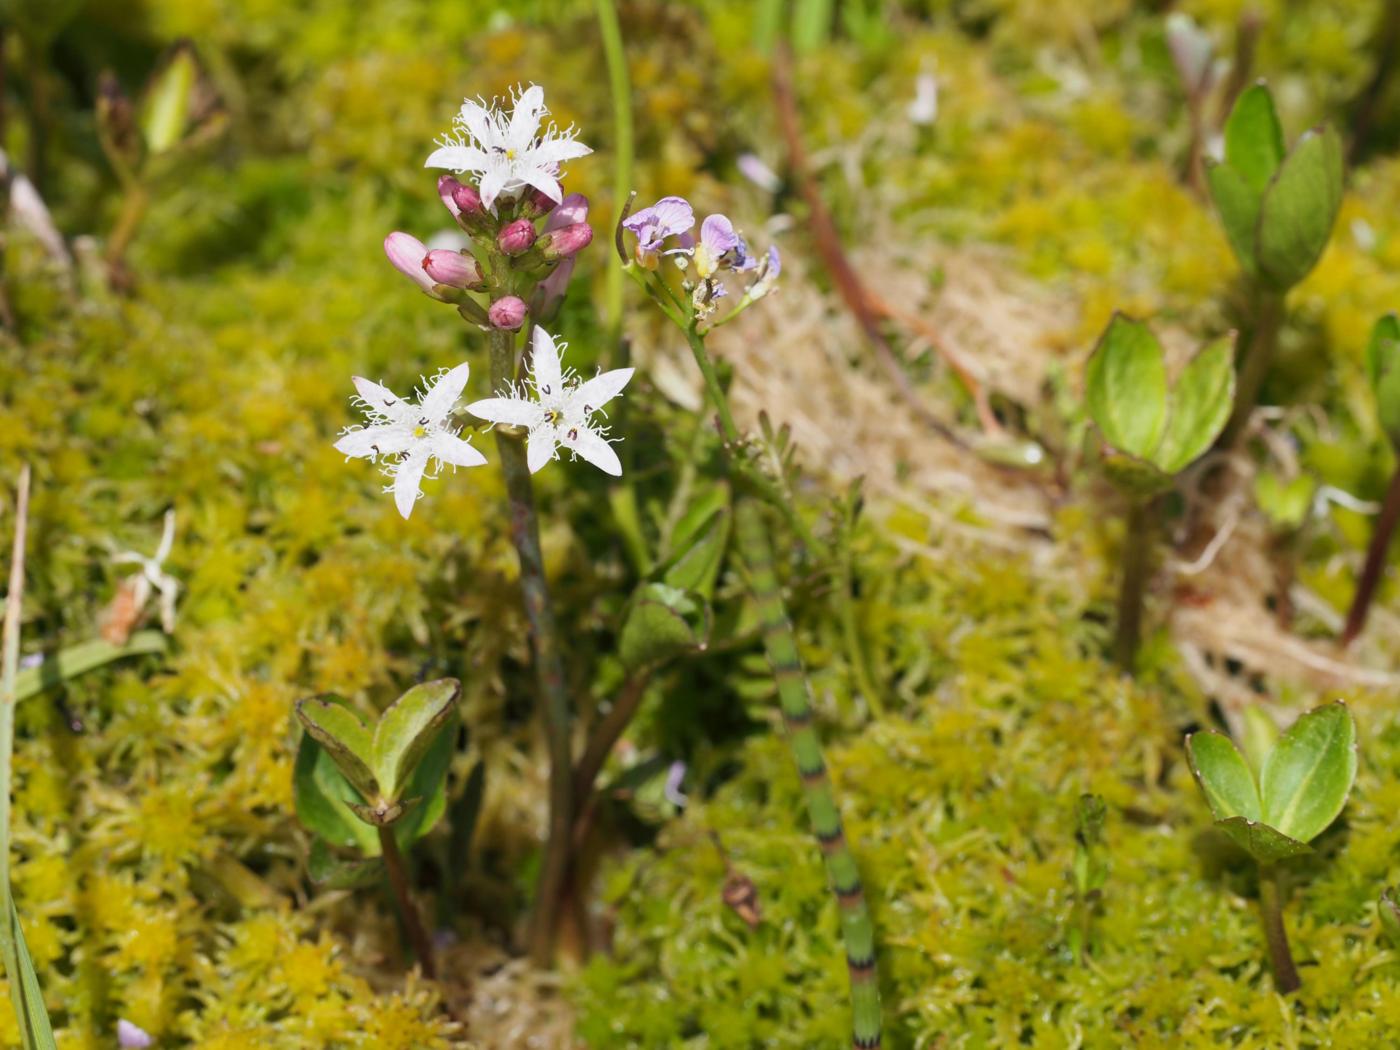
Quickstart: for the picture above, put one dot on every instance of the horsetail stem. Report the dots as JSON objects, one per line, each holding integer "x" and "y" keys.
{"x": 795, "y": 700}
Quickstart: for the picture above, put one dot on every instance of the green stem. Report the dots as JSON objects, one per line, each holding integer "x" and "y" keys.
{"x": 795, "y": 700}
{"x": 1286, "y": 979}
{"x": 1374, "y": 566}
{"x": 549, "y": 664}
{"x": 134, "y": 207}
{"x": 1268, "y": 316}
{"x": 1137, "y": 569}
{"x": 621, "y": 88}
{"x": 850, "y": 631}
{"x": 413, "y": 923}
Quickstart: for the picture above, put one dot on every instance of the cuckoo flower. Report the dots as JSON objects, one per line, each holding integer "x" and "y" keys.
{"x": 410, "y": 435}
{"x": 560, "y": 411}
{"x": 508, "y": 153}
{"x": 668, "y": 217}
{"x": 721, "y": 248}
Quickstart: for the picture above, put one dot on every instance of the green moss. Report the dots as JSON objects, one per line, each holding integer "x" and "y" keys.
{"x": 964, "y": 812}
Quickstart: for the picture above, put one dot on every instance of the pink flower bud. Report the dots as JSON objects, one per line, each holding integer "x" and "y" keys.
{"x": 572, "y": 209}
{"x": 468, "y": 201}
{"x": 407, "y": 254}
{"x": 537, "y": 203}
{"x": 454, "y": 269}
{"x": 447, "y": 186}
{"x": 507, "y": 312}
{"x": 516, "y": 237}
{"x": 562, "y": 243}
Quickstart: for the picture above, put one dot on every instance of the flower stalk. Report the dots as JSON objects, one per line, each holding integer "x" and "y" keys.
{"x": 412, "y": 921}
{"x": 1374, "y": 566}
{"x": 549, "y": 664}
{"x": 1268, "y": 318}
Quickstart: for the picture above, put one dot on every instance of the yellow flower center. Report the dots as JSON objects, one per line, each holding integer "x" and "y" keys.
{"x": 420, "y": 431}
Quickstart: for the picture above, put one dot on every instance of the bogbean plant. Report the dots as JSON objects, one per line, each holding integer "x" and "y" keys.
{"x": 376, "y": 790}
{"x": 1277, "y": 800}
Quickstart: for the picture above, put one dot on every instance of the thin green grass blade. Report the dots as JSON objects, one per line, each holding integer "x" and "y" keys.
{"x": 26, "y": 995}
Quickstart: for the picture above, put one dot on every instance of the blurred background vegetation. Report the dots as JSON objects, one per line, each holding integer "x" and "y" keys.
{"x": 160, "y": 872}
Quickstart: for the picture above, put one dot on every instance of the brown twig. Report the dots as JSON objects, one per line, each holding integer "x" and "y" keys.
{"x": 1374, "y": 566}
{"x": 604, "y": 737}
{"x": 1387, "y": 42}
{"x": 1246, "y": 41}
{"x": 867, "y": 308}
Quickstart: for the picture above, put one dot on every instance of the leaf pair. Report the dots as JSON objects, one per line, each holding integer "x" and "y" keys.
{"x": 1277, "y": 209}
{"x": 379, "y": 766}
{"x": 1154, "y": 431}
{"x": 1303, "y": 783}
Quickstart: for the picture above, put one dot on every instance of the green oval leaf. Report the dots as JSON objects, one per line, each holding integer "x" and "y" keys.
{"x": 335, "y": 873}
{"x": 1299, "y": 208}
{"x": 344, "y": 736}
{"x": 1265, "y": 844}
{"x": 322, "y": 796}
{"x": 662, "y": 622}
{"x": 1254, "y": 138}
{"x": 1126, "y": 387}
{"x": 1238, "y": 207}
{"x": 1224, "y": 776}
{"x": 1309, "y": 773}
{"x": 407, "y": 729}
{"x": 428, "y": 783}
{"x": 1200, "y": 406}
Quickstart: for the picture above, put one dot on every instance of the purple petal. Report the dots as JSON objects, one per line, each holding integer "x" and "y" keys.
{"x": 718, "y": 236}
{"x": 406, "y": 252}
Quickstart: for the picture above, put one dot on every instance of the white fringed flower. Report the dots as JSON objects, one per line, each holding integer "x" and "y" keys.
{"x": 409, "y": 435}
{"x": 560, "y": 411}
{"x": 508, "y": 153}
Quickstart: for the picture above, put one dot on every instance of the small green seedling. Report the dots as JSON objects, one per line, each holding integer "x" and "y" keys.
{"x": 1383, "y": 370}
{"x": 375, "y": 790}
{"x": 1301, "y": 787}
{"x": 1090, "y": 870}
{"x": 1277, "y": 208}
{"x": 1152, "y": 431}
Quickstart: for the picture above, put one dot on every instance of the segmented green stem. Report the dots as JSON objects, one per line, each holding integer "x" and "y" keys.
{"x": 795, "y": 699}
{"x": 549, "y": 665}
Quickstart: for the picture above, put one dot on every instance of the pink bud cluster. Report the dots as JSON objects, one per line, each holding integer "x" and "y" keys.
{"x": 524, "y": 260}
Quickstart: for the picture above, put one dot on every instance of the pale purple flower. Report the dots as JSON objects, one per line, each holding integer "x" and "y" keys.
{"x": 675, "y": 777}
{"x": 410, "y": 436}
{"x": 668, "y": 217}
{"x": 132, "y": 1037}
{"x": 721, "y": 247}
{"x": 571, "y": 210}
{"x": 508, "y": 154}
{"x": 561, "y": 410}
{"x": 751, "y": 166}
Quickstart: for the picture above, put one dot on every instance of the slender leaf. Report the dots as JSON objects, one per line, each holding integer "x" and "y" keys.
{"x": 697, "y": 568}
{"x": 1300, "y": 207}
{"x": 1126, "y": 387}
{"x": 1309, "y": 773}
{"x": 33, "y": 1017}
{"x": 1224, "y": 776}
{"x": 166, "y": 107}
{"x": 1200, "y": 404}
{"x": 77, "y": 660}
